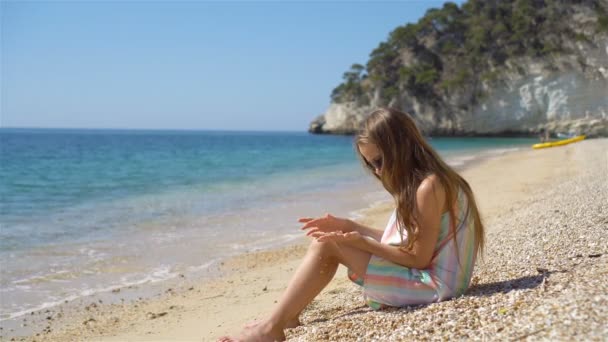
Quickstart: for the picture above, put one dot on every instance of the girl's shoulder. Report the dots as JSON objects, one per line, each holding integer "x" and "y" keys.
{"x": 431, "y": 188}
{"x": 430, "y": 183}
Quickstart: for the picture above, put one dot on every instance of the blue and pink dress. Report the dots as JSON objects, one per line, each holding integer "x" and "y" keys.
{"x": 449, "y": 274}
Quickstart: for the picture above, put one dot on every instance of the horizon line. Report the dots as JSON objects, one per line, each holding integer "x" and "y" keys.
{"x": 150, "y": 129}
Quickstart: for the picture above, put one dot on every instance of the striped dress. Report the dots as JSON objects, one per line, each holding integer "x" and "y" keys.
{"x": 449, "y": 274}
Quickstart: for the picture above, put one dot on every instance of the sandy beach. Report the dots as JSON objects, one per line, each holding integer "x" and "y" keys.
{"x": 544, "y": 274}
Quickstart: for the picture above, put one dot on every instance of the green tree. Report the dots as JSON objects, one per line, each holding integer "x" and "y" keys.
{"x": 456, "y": 45}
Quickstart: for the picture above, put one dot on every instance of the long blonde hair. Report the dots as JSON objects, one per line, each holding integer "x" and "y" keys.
{"x": 407, "y": 159}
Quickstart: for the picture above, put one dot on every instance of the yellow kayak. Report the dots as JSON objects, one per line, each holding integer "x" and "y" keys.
{"x": 559, "y": 142}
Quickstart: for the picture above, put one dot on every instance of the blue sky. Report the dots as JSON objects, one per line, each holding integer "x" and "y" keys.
{"x": 184, "y": 65}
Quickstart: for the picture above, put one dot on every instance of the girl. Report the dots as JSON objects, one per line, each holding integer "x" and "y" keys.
{"x": 427, "y": 251}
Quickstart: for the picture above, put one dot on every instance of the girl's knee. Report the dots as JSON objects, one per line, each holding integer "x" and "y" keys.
{"x": 323, "y": 249}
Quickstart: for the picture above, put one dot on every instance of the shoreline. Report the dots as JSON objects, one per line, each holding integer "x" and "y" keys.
{"x": 77, "y": 270}
{"x": 189, "y": 309}
{"x": 210, "y": 269}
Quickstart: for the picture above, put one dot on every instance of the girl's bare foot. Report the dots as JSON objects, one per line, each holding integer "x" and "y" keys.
{"x": 293, "y": 323}
{"x": 259, "y": 332}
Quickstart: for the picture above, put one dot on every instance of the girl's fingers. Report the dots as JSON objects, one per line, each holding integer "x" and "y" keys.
{"x": 321, "y": 223}
{"x": 312, "y": 223}
{"x": 318, "y": 233}
{"x": 336, "y": 238}
{"x": 308, "y": 225}
{"x": 333, "y": 236}
{"x": 308, "y": 219}
{"x": 312, "y": 231}
{"x": 308, "y": 222}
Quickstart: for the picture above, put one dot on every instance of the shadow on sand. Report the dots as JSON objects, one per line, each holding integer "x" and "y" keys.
{"x": 505, "y": 286}
{"x": 477, "y": 290}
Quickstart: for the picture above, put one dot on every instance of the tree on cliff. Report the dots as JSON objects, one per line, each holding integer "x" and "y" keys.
{"x": 455, "y": 45}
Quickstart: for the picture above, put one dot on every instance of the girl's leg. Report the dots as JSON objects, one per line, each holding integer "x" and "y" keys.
{"x": 315, "y": 272}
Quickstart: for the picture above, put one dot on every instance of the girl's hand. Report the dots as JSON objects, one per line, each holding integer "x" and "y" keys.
{"x": 325, "y": 224}
{"x": 337, "y": 236}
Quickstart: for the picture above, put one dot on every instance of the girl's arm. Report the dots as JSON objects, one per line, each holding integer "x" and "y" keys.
{"x": 330, "y": 223}
{"x": 392, "y": 253}
{"x": 431, "y": 198}
{"x": 374, "y": 233}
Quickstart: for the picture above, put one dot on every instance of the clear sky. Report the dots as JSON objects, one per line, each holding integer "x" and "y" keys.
{"x": 184, "y": 65}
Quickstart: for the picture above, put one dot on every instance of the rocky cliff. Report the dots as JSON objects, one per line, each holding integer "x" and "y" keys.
{"x": 473, "y": 70}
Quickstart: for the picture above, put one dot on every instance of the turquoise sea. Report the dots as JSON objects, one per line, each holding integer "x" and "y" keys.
{"x": 89, "y": 211}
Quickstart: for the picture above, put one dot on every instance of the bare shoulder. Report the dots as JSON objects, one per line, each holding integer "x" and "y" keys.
{"x": 431, "y": 184}
{"x": 431, "y": 189}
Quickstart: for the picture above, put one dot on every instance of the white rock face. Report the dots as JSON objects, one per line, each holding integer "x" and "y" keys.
{"x": 560, "y": 92}
{"x": 563, "y": 93}
{"x": 344, "y": 118}
{"x": 533, "y": 101}
{"x": 336, "y": 116}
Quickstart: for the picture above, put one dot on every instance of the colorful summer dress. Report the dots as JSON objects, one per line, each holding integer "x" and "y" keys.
{"x": 449, "y": 274}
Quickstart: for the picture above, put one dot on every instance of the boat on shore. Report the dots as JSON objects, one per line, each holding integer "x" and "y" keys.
{"x": 558, "y": 142}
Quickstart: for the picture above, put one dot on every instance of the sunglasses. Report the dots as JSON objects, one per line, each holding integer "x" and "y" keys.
{"x": 376, "y": 163}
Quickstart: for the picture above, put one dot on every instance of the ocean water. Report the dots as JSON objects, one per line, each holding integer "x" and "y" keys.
{"x": 88, "y": 211}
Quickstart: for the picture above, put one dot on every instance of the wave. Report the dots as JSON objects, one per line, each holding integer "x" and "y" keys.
{"x": 159, "y": 274}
